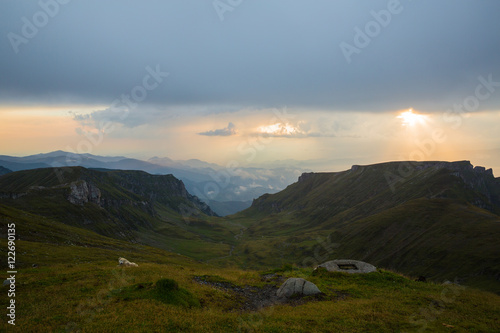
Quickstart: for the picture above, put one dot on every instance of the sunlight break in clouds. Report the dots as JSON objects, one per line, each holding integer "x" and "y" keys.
{"x": 409, "y": 118}
{"x": 280, "y": 129}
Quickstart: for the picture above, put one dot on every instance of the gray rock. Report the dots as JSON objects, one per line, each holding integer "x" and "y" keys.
{"x": 348, "y": 266}
{"x": 83, "y": 192}
{"x": 297, "y": 286}
{"x": 6, "y": 282}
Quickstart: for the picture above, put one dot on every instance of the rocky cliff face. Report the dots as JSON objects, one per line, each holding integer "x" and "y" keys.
{"x": 305, "y": 176}
{"x": 110, "y": 189}
{"x": 82, "y": 192}
{"x": 149, "y": 189}
{"x": 479, "y": 179}
{"x": 397, "y": 182}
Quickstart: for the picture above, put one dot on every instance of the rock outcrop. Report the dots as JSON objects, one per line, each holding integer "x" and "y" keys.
{"x": 297, "y": 287}
{"x": 305, "y": 176}
{"x": 348, "y": 266}
{"x": 82, "y": 192}
{"x": 125, "y": 262}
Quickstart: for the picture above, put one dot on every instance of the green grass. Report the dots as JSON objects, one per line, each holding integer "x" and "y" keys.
{"x": 427, "y": 226}
{"x": 78, "y": 285}
{"x": 164, "y": 290}
{"x": 162, "y": 294}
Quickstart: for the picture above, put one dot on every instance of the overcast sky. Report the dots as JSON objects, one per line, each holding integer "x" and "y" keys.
{"x": 169, "y": 76}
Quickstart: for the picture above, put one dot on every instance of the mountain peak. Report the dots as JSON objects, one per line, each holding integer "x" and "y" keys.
{"x": 391, "y": 183}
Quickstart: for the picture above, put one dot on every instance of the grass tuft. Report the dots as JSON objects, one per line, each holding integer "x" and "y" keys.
{"x": 164, "y": 290}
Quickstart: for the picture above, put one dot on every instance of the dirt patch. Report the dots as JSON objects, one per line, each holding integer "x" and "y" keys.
{"x": 255, "y": 298}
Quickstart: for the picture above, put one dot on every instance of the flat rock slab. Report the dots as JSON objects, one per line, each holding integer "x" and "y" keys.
{"x": 348, "y": 266}
{"x": 297, "y": 286}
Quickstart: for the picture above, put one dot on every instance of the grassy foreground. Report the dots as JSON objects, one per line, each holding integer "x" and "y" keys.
{"x": 77, "y": 289}
{"x": 77, "y": 286}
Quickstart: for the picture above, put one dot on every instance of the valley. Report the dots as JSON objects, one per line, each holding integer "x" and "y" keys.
{"x": 72, "y": 224}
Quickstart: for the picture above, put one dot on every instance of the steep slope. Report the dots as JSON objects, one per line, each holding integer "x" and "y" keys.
{"x": 209, "y": 182}
{"x": 76, "y": 286}
{"x": 421, "y": 218}
{"x": 128, "y": 205}
{"x": 4, "y": 171}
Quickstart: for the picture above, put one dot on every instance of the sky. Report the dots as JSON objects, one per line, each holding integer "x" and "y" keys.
{"x": 324, "y": 83}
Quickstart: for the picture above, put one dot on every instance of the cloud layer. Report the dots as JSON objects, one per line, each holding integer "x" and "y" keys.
{"x": 227, "y": 131}
{"x": 421, "y": 54}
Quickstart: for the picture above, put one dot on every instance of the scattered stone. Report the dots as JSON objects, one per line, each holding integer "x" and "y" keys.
{"x": 34, "y": 265}
{"x": 125, "y": 262}
{"x": 271, "y": 277}
{"x": 252, "y": 298}
{"x": 298, "y": 287}
{"x": 348, "y": 266}
{"x": 6, "y": 282}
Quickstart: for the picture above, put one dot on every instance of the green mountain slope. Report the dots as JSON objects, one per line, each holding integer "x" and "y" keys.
{"x": 437, "y": 219}
{"x": 433, "y": 219}
{"x": 68, "y": 279}
{"x": 126, "y": 205}
{"x": 77, "y": 286}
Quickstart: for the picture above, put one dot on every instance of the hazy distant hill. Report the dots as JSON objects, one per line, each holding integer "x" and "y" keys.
{"x": 3, "y": 170}
{"x": 210, "y": 182}
{"x": 435, "y": 219}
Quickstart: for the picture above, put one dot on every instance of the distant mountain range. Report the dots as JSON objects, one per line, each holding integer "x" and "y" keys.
{"x": 440, "y": 220}
{"x": 4, "y": 171}
{"x": 227, "y": 191}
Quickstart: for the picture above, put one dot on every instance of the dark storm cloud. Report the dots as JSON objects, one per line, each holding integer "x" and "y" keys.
{"x": 427, "y": 55}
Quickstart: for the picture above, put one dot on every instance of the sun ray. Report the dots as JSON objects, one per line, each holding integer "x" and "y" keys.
{"x": 279, "y": 129}
{"x": 410, "y": 118}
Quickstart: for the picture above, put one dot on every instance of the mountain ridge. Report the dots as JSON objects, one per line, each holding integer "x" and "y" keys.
{"x": 208, "y": 181}
{"x": 415, "y": 227}
{"x": 438, "y": 214}
{"x": 135, "y": 206}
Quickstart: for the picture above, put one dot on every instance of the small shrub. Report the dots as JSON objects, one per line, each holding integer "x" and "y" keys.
{"x": 166, "y": 285}
{"x": 164, "y": 290}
